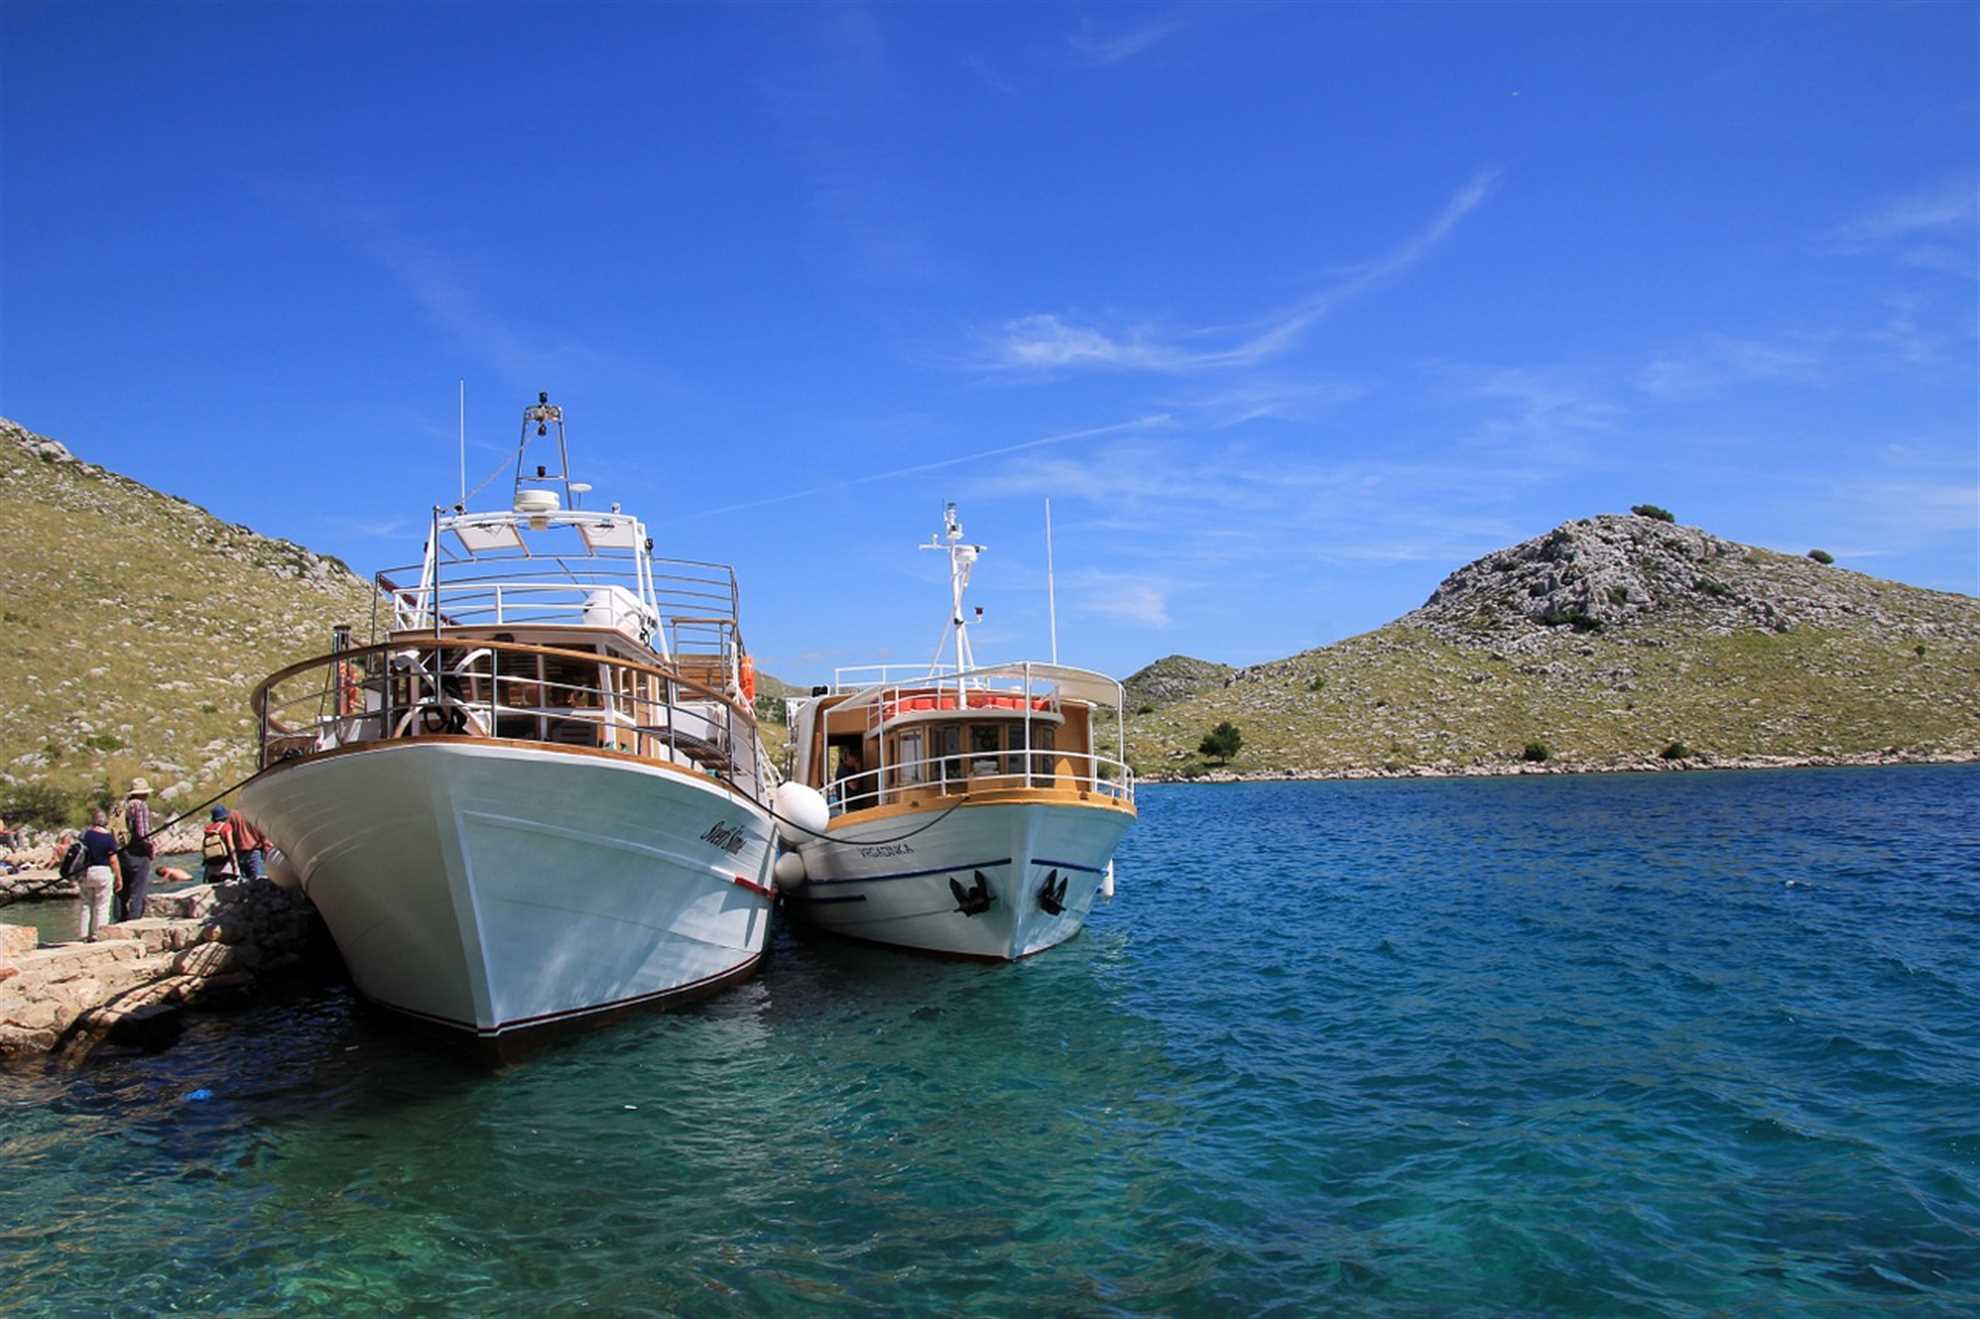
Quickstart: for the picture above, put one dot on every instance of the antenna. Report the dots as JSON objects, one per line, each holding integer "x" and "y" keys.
{"x": 1051, "y": 594}
{"x": 463, "y": 441}
{"x": 962, "y": 558}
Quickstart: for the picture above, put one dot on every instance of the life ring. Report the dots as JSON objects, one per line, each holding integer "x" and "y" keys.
{"x": 748, "y": 682}
{"x": 437, "y": 719}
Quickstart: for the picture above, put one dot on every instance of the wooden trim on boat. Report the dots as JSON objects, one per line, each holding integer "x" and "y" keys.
{"x": 995, "y": 797}
{"x": 259, "y": 698}
{"x": 513, "y": 743}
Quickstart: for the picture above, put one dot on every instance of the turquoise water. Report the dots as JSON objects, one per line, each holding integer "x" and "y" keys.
{"x": 1599, "y": 1044}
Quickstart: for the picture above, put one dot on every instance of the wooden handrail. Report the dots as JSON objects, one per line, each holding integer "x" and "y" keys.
{"x": 259, "y": 699}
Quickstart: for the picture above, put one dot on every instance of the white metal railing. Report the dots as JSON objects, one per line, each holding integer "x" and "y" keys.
{"x": 858, "y": 677}
{"x": 983, "y": 771}
{"x": 508, "y": 692}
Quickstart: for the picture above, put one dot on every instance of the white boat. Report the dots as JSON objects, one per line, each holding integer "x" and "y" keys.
{"x": 966, "y": 810}
{"x": 537, "y": 797}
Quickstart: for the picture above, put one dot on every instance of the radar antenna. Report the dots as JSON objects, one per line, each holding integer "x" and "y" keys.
{"x": 544, "y": 414}
{"x": 962, "y": 558}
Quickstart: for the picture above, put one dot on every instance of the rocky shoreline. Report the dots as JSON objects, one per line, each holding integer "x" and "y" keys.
{"x": 208, "y": 945}
{"x": 1639, "y": 765}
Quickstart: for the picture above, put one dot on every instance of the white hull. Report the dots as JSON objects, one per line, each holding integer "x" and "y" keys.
{"x": 497, "y": 889}
{"x": 902, "y": 893}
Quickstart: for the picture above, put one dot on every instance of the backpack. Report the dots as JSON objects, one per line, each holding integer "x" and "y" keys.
{"x": 120, "y": 826}
{"x": 72, "y": 860}
{"x": 213, "y": 847}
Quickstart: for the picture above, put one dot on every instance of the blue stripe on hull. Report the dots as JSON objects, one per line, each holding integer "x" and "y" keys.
{"x": 917, "y": 874}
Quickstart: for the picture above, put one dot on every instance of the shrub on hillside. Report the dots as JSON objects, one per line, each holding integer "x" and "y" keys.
{"x": 1677, "y": 751}
{"x": 37, "y": 804}
{"x": 1319, "y": 684}
{"x": 1222, "y": 742}
{"x": 1821, "y": 556}
{"x": 1537, "y": 751}
{"x": 1653, "y": 511}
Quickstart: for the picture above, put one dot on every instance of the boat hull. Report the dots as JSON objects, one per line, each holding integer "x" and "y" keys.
{"x": 502, "y": 891}
{"x": 927, "y": 892}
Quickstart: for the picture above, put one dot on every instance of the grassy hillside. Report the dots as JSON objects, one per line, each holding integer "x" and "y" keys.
{"x": 1608, "y": 642}
{"x": 136, "y": 624}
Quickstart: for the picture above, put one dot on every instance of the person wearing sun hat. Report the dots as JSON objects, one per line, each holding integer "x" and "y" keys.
{"x": 137, "y": 849}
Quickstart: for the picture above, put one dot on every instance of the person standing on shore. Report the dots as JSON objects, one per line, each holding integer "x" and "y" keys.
{"x": 138, "y": 849}
{"x": 101, "y": 878}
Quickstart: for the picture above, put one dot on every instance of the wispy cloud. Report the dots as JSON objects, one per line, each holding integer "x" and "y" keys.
{"x": 1718, "y": 360}
{"x": 1952, "y": 204}
{"x": 1047, "y": 342}
{"x": 1097, "y": 50}
{"x": 995, "y": 81}
{"x": 916, "y": 469}
{"x": 1131, "y": 598}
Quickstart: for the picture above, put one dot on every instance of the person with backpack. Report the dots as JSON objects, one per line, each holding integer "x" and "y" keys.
{"x": 216, "y": 849}
{"x": 97, "y": 885}
{"x": 131, "y": 825}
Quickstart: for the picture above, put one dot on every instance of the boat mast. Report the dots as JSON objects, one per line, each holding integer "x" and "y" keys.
{"x": 962, "y": 558}
{"x": 544, "y": 413}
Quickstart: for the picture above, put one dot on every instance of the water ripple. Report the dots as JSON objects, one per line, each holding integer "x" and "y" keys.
{"x": 1652, "y": 1044}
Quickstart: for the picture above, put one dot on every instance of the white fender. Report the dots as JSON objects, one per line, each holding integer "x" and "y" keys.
{"x": 789, "y": 872}
{"x": 1107, "y": 882}
{"x": 805, "y": 806}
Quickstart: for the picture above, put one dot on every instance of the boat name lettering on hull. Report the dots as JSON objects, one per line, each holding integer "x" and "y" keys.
{"x": 887, "y": 849}
{"x": 728, "y": 837}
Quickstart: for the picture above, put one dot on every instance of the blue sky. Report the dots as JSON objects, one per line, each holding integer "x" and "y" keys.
{"x": 1290, "y": 309}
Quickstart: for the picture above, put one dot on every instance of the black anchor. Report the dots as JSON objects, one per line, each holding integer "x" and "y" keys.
{"x": 1053, "y": 900}
{"x": 972, "y": 901}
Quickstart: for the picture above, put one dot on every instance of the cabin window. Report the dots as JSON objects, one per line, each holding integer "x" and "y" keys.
{"x": 948, "y": 745}
{"x": 911, "y": 758}
{"x": 1046, "y": 739}
{"x": 985, "y": 741}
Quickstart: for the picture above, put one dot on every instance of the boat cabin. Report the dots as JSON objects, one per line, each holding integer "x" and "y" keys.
{"x": 1016, "y": 729}
{"x": 539, "y": 623}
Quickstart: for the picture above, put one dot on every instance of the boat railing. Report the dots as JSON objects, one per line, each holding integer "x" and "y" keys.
{"x": 507, "y": 691}
{"x": 858, "y": 677}
{"x": 620, "y": 590}
{"x": 937, "y": 777}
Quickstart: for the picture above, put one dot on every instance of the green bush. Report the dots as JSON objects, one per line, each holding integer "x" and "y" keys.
{"x": 1677, "y": 751}
{"x": 37, "y": 804}
{"x": 1537, "y": 751}
{"x": 1319, "y": 684}
{"x": 1653, "y": 511}
{"x": 1222, "y": 742}
{"x": 1919, "y": 650}
{"x": 1144, "y": 709}
{"x": 104, "y": 742}
{"x": 1717, "y": 590}
{"x": 1822, "y": 556}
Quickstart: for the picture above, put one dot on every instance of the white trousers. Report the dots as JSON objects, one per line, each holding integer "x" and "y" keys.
{"x": 93, "y": 911}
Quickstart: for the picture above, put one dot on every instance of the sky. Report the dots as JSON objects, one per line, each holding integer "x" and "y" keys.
{"x": 1289, "y": 309}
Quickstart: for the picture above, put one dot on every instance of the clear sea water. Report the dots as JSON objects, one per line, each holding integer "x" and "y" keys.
{"x": 1658, "y": 1044}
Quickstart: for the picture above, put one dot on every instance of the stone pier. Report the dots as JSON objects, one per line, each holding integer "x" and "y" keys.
{"x": 204, "y": 945}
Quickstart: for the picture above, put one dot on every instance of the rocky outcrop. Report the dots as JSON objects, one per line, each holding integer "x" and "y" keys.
{"x": 1172, "y": 678}
{"x": 204, "y": 945}
{"x": 1622, "y": 571}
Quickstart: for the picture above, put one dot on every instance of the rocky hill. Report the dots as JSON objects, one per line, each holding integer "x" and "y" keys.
{"x": 1171, "y": 679}
{"x": 136, "y": 624}
{"x": 1610, "y": 642}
